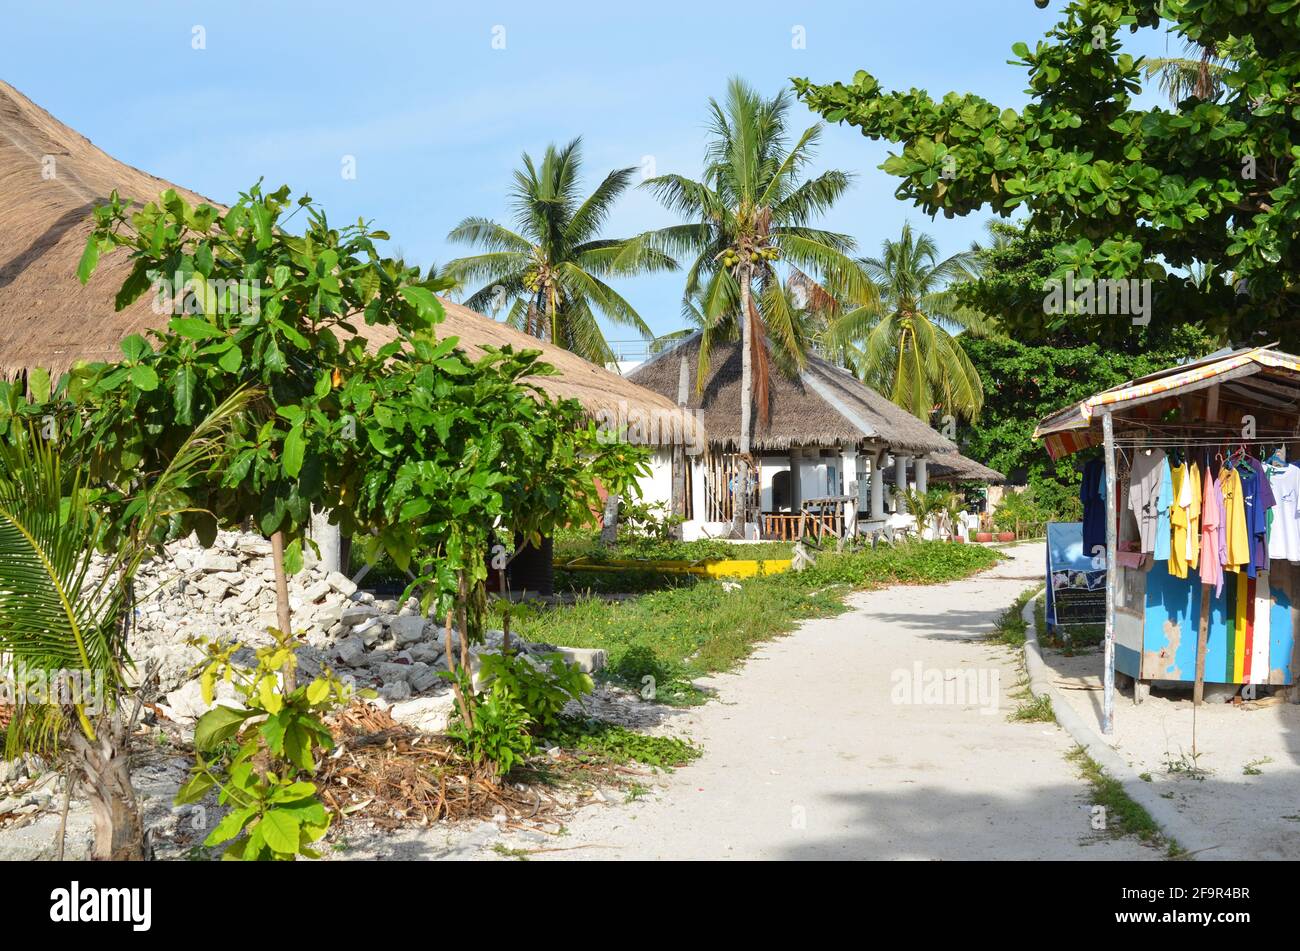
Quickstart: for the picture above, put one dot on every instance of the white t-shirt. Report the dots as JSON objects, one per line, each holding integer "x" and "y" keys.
{"x": 1284, "y": 535}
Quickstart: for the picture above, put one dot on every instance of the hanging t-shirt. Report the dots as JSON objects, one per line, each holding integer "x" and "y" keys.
{"x": 1211, "y": 569}
{"x": 1092, "y": 493}
{"x": 1179, "y": 521}
{"x": 1193, "y": 505}
{"x": 1235, "y": 548}
{"x": 1143, "y": 495}
{"x": 1284, "y": 538}
{"x": 1164, "y": 503}
{"x": 1259, "y": 501}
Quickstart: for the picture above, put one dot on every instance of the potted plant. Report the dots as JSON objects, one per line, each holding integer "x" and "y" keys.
{"x": 1016, "y": 509}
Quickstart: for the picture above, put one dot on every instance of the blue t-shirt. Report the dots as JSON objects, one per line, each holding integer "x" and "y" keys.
{"x": 1164, "y": 500}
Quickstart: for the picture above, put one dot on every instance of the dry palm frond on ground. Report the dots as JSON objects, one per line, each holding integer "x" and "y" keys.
{"x": 394, "y": 775}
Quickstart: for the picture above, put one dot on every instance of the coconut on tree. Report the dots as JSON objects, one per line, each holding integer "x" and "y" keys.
{"x": 757, "y": 262}
{"x": 550, "y": 273}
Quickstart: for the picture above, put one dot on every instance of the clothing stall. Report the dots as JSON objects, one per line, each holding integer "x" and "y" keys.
{"x": 1192, "y": 507}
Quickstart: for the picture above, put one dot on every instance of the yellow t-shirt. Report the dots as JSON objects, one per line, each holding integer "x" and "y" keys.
{"x": 1178, "y": 520}
{"x": 1194, "y": 517}
{"x": 1234, "y": 521}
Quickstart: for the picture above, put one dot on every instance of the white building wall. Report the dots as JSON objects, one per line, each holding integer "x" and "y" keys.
{"x": 658, "y": 485}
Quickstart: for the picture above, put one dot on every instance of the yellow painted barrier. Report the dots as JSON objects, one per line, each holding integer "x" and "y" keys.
{"x": 716, "y": 568}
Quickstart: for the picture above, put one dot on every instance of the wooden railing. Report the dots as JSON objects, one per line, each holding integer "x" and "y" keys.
{"x": 785, "y": 526}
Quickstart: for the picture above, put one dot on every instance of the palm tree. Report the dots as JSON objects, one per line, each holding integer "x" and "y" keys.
{"x": 901, "y": 339}
{"x": 1199, "y": 72}
{"x": 550, "y": 273}
{"x": 752, "y": 208}
{"x": 65, "y": 613}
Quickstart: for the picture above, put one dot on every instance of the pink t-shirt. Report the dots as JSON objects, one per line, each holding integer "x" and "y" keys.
{"x": 1211, "y": 565}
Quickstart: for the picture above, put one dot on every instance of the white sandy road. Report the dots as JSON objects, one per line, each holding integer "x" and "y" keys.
{"x": 807, "y": 756}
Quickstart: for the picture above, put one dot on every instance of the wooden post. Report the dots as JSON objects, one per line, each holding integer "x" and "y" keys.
{"x": 680, "y": 460}
{"x": 1203, "y": 628}
{"x": 1112, "y": 577}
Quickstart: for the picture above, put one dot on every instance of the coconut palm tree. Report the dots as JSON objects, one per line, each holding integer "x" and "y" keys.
{"x": 1199, "y": 72}
{"x": 550, "y": 273}
{"x": 901, "y": 338}
{"x": 752, "y": 208}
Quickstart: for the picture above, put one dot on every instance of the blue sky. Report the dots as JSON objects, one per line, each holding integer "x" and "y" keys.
{"x": 436, "y": 117}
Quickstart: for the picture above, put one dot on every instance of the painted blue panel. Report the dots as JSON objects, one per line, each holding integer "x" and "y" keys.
{"x": 1173, "y": 608}
{"x": 1280, "y": 636}
{"x": 1177, "y": 601}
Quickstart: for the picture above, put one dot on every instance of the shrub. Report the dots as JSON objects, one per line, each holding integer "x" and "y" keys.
{"x": 256, "y": 756}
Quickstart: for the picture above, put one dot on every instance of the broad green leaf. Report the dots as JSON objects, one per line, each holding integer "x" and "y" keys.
{"x": 89, "y": 259}
{"x": 144, "y": 378}
{"x": 280, "y": 830}
{"x": 218, "y": 725}
{"x": 195, "y": 328}
{"x": 295, "y": 447}
{"x": 230, "y": 826}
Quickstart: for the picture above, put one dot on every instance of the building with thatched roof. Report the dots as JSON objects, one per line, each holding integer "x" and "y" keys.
{"x": 51, "y": 179}
{"x": 825, "y": 435}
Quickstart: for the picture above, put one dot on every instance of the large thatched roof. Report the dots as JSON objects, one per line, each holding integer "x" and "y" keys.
{"x": 51, "y": 178}
{"x": 825, "y": 406}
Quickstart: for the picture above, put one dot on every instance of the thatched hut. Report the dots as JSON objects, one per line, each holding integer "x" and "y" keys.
{"x": 826, "y": 435}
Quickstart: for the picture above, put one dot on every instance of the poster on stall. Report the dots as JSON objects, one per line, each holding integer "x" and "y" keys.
{"x": 1075, "y": 584}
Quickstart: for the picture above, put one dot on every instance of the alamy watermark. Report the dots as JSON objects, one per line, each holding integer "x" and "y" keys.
{"x": 21, "y": 685}
{"x": 1127, "y": 297}
{"x": 936, "y": 686}
{"x": 182, "y": 296}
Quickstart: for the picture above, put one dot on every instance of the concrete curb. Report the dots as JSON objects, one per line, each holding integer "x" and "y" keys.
{"x": 1171, "y": 822}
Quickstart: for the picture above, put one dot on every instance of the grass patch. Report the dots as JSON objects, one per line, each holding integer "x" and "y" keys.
{"x": 1253, "y": 767}
{"x": 1037, "y": 710}
{"x": 1123, "y": 815}
{"x": 619, "y": 745}
{"x": 1010, "y": 629}
{"x": 677, "y": 634}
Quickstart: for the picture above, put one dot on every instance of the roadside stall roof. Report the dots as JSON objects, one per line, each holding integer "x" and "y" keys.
{"x": 1254, "y": 377}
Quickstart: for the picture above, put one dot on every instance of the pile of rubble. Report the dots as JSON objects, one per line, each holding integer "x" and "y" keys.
{"x": 228, "y": 591}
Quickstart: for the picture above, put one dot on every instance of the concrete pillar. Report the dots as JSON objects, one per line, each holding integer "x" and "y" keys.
{"x": 849, "y": 469}
{"x": 699, "y": 491}
{"x": 796, "y": 486}
{"x": 878, "y": 486}
{"x": 329, "y": 540}
{"x": 922, "y": 475}
{"x": 900, "y": 482}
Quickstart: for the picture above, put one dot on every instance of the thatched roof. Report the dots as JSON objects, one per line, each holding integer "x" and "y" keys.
{"x": 51, "y": 178}
{"x": 954, "y": 467}
{"x": 824, "y": 407}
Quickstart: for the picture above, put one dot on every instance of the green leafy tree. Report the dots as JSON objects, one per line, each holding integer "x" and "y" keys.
{"x": 1135, "y": 193}
{"x": 754, "y": 206}
{"x": 1024, "y": 382}
{"x": 901, "y": 338}
{"x": 552, "y": 272}
{"x": 258, "y": 306}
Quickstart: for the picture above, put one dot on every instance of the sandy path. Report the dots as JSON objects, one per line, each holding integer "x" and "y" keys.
{"x": 808, "y": 756}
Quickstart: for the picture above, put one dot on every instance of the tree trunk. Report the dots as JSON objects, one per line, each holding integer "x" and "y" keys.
{"x": 681, "y": 462}
{"x": 283, "y": 616}
{"x": 609, "y": 526}
{"x": 741, "y": 494}
{"x": 104, "y": 765}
